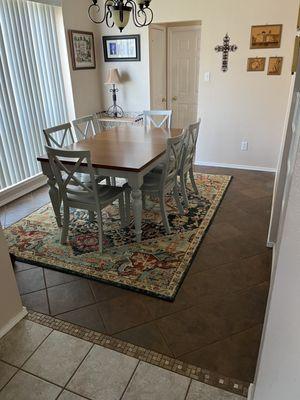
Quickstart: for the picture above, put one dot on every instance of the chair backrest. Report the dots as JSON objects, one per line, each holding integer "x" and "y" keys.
{"x": 59, "y": 136}
{"x": 85, "y": 127}
{"x": 65, "y": 165}
{"x": 173, "y": 157}
{"x": 158, "y": 118}
{"x": 189, "y": 148}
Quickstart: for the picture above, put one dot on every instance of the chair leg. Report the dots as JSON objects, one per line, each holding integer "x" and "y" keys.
{"x": 164, "y": 213}
{"x": 183, "y": 190}
{"x": 177, "y": 199}
{"x": 100, "y": 233}
{"x": 91, "y": 216}
{"x": 113, "y": 182}
{"x": 65, "y": 227}
{"x": 107, "y": 180}
{"x": 122, "y": 211}
{"x": 191, "y": 173}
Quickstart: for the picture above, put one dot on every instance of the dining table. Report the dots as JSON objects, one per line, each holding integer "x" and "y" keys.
{"x": 128, "y": 152}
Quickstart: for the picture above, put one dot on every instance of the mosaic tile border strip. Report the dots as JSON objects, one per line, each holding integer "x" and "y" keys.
{"x": 199, "y": 374}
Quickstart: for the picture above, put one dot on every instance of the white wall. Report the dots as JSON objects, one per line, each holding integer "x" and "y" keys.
{"x": 86, "y": 84}
{"x": 236, "y": 105}
{"x": 134, "y": 94}
{"x": 10, "y": 302}
{"x": 279, "y": 367}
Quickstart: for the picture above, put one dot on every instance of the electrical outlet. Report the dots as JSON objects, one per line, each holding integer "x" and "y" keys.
{"x": 244, "y": 145}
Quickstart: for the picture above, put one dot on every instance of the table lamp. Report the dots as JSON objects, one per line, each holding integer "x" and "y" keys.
{"x": 113, "y": 79}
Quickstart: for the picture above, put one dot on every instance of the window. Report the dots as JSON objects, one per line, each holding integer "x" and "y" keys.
{"x": 32, "y": 89}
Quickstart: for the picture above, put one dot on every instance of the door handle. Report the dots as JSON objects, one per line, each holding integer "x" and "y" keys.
{"x": 174, "y": 98}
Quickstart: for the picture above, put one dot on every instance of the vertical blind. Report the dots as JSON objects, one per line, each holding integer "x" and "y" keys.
{"x": 32, "y": 92}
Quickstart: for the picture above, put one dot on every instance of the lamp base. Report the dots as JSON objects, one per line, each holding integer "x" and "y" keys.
{"x": 115, "y": 111}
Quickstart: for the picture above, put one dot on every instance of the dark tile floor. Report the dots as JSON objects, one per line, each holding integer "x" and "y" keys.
{"x": 215, "y": 321}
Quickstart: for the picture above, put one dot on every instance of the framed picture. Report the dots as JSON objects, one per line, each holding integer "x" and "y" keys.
{"x": 82, "y": 49}
{"x": 275, "y": 65}
{"x": 256, "y": 64}
{"x": 122, "y": 48}
{"x": 266, "y": 36}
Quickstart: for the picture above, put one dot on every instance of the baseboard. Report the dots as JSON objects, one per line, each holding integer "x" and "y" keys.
{"x": 235, "y": 166}
{"x": 250, "y": 391}
{"x": 20, "y": 189}
{"x": 13, "y": 322}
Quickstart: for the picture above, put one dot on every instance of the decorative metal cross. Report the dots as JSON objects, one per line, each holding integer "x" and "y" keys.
{"x": 225, "y": 49}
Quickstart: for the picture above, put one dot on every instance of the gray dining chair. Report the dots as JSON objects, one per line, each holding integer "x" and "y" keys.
{"x": 86, "y": 127}
{"x": 77, "y": 194}
{"x": 165, "y": 182}
{"x": 59, "y": 136}
{"x": 158, "y": 118}
{"x": 187, "y": 161}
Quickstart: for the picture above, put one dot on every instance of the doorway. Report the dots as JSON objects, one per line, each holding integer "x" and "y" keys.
{"x": 174, "y": 70}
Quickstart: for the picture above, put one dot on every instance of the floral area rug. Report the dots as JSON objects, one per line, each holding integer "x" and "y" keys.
{"x": 156, "y": 266}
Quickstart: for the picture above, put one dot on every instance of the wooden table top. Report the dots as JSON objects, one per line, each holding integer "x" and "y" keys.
{"x": 129, "y": 148}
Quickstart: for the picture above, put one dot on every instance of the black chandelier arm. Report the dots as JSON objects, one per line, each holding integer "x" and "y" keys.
{"x": 107, "y": 11}
{"x": 138, "y": 13}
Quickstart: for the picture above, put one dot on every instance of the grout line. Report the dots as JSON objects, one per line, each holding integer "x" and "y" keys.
{"x": 130, "y": 379}
{"x": 188, "y": 389}
{"x": 47, "y": 295}
{"x": 79, "y": 365}
{"x": 36, "y": 349}
{"x": 14, "y": 374}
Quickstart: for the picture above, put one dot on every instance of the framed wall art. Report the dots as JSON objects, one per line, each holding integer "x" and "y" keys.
{"x": 266, "y": 36}
{"x": 122, "y": 48}
{"x": 82, "y": 50}
{"x": 275, "y": 65}
{"x": 256, "y": 64}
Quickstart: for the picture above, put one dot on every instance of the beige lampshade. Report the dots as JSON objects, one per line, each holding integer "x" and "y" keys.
{"x": 113, "y": 77}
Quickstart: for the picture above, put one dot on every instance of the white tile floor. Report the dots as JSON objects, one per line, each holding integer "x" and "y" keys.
{"x": 38, "y": 363}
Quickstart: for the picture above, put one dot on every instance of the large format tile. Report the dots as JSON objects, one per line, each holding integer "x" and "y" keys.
{"x": 147, "y": 336}
{"x": 24, "y": 386}
{"x": 153, "y": 383}
{"x": 6, "y": 373}
{"x": 235, "y": 356}
{"x": 36, "y": 301}
{"x": 103, "y": 375}
{"x": 66, "y": 395}
{"x": 58, "y": 357}
{"x": 30, "y": 280}
{"x": 22, "y": 341}
{"x": 124, "y": 312}
{"x": 67, "y": 297}
{"x": 88, "y": 317}
{"x": 200, "y": 391}
{"x": 54, "y": 278}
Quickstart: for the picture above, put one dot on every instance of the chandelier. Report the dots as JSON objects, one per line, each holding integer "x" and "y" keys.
{"x": 117, "y": 12}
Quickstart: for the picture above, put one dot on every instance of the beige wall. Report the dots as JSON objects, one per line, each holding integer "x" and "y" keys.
{"x": 236, "y": 105}
{"x": 10, "y": 302}
{"x": 86, "y": 84}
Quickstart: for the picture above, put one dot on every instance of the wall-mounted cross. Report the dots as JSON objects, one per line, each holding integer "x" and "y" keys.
{"x": 225, "y": 49}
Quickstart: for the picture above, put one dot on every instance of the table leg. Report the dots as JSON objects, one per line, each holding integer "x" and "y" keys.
{"x": 137, "y": 206}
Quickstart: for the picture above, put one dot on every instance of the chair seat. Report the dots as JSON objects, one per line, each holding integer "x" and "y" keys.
{"x": 106, "y": 194}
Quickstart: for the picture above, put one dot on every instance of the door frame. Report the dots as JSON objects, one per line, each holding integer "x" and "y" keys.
{"x": 184, "y": 24}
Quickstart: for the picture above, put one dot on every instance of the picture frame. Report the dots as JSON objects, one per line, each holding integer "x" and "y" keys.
{"x": 275, "y": 65}
{"x": 122, "y": 48}
{"x": 265, "y": 36}
{"x": 256, "y": 64}
{"x": 82, "y": 48}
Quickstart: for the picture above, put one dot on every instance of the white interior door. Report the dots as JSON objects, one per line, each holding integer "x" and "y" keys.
{"x": 158, "y": 67}
{"x": 183, "y": 74}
